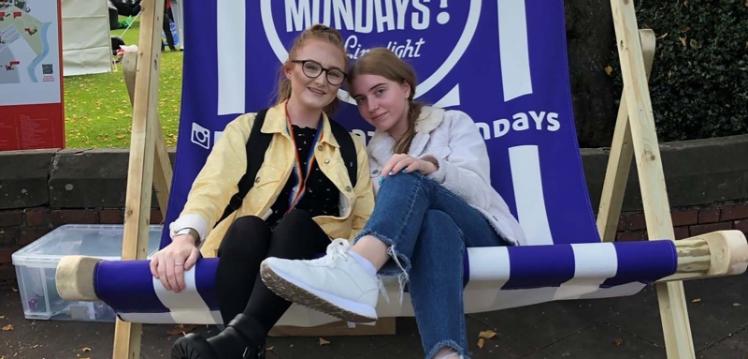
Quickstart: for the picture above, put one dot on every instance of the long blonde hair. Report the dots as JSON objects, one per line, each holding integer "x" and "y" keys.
{"x": 316, "y": 32}
{"x": 382, "y": 62}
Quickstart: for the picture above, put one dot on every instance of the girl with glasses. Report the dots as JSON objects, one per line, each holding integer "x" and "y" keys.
{"x": 301, "y": 196}
{"x": 434, "y": 200}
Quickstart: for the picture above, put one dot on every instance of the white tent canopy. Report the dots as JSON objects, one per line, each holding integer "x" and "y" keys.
{"x": 86, "y": 46}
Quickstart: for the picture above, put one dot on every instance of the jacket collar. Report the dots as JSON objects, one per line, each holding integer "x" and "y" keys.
{"x": 275, "y": 122}
{"x": 381, "y": 144}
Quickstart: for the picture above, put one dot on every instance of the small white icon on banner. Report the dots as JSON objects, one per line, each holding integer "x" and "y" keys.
{"x": 200, "y": 136}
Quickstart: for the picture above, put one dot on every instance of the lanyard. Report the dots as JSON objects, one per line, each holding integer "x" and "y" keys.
{"x": 300, "y": 176}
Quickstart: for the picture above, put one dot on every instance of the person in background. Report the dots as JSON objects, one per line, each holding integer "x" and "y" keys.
{"x": 166, "y": 24}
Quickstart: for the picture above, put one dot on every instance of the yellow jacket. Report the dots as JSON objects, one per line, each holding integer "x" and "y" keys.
{"x": 218, "y": 181}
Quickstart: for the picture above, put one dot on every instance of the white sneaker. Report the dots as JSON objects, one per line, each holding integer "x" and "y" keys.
{"x": 334, "y": 284}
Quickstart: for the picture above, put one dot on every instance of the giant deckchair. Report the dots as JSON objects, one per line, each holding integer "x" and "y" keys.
{"x": 562, "y": 258}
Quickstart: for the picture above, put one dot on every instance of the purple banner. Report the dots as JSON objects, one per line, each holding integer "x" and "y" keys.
{"x": 503, "y": 62}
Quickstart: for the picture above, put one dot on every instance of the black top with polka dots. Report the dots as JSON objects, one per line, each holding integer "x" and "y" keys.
{"x": 321, "y": 197}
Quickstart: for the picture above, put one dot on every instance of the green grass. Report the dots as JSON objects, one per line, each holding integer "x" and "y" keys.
{"x": 98, "y": 113}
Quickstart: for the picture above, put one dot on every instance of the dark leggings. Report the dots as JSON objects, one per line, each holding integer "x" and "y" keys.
{"x": 168, "y": 17}
{"x": 248, "y": 241}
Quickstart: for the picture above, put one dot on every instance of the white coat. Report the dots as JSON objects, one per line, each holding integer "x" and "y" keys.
{"x": 452, "y": 138}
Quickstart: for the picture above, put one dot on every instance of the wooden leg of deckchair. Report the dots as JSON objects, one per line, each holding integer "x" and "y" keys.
{"x": 140, "y": 167}
{"x": 621, "y": 153}
{"x": 670, "y": 295}
{"x": 163, "y": 171}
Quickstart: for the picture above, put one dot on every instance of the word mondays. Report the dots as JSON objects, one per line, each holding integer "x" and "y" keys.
{"x": 362, "y": 16}
{"x": 520, "y": 121}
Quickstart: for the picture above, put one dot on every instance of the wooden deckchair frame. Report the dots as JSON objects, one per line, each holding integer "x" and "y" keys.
{"x": 635, "y": 136}
{"x": 144, "y": 162}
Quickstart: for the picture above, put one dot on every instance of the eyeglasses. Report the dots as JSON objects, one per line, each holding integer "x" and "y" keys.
{"x": 312, "y": 69}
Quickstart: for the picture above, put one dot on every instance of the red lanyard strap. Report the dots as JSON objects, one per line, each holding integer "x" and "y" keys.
{"x": 301, "y": 176}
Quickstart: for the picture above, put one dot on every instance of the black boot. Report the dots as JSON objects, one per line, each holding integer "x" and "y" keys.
{"x": 192, "y": 346}
{"x": 240, "y": 331}
{"x": 232, "y": 342}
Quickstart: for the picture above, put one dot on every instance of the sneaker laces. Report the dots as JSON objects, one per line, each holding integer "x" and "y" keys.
{"x": 336, "y": 250}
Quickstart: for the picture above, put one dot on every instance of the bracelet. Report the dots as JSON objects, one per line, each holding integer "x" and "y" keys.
{"x": 190, "y": 231}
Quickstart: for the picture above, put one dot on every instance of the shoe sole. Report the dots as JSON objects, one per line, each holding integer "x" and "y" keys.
{"x": 297, "y": 292}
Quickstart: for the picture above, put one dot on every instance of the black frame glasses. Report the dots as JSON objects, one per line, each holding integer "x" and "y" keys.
{"x": 312, "y": 69}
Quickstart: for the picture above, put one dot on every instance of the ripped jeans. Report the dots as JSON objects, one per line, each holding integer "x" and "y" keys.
{"x": 428, "y": 228}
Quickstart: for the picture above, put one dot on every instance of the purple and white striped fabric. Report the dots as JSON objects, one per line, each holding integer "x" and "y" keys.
{"x": 497, "y": 277}
{"x": 501, "y": 61}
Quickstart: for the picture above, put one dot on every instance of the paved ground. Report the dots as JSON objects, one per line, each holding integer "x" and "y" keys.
{"x": 607, "y": 328}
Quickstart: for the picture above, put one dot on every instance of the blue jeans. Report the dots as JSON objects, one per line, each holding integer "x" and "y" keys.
{"x": 428, "y": 228}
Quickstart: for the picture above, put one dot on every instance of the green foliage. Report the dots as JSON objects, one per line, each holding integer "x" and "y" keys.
{"x": 699, "y": 81}
{"x": 98, "y": 113}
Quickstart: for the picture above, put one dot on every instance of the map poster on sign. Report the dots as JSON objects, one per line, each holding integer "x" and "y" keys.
{"x": 31, "y": 111}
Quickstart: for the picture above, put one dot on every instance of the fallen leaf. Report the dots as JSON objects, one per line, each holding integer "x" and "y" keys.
{"x": 682, "y": 40}
{"x": 481, "y": 343}
{"x": 696, "y": 300}
{"x": 323, "y": 341}
{"x": 8, "y": 328}
{"x": 618, "y": 342}
{"x": 483, "y": 336}
{"x": 487, "y": 334}
{"x": 608, "y": 70}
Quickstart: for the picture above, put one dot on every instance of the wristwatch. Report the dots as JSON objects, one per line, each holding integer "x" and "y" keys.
{"x": 190, "y": 231}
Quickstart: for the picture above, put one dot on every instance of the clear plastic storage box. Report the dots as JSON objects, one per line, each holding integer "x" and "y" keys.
{"x": 36, "y": 263}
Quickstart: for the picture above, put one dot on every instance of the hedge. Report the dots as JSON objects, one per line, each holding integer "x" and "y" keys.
{"x": 699, "y": 80}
